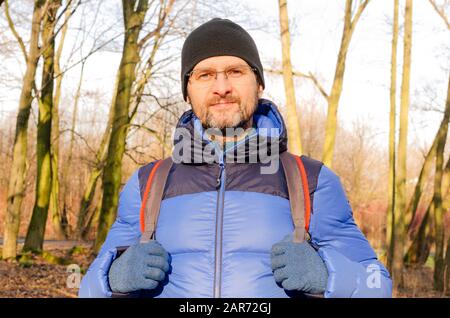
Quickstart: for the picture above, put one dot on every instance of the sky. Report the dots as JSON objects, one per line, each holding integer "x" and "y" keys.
{"x": 316, "y": 28}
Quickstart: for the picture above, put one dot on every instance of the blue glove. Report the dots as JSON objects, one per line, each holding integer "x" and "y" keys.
{"x": 298, "y": 267}
{"x": 141, "y": 266}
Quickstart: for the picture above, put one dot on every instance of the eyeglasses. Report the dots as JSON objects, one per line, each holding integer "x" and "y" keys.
{"x": 206, "y": 76}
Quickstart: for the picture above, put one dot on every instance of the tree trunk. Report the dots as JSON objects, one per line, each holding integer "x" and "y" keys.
{"x": 414, "y": 203}
{"x": 84, "y": 221}
{"x": 86, "y": 207}
{"x": 392, "y": 116}
{"x": 293, "y": 123}
{"x": 399, "y": 228}
{"x": 424, "y": 172}
{"x": 59, "y": 220}
{"x": 36, "y": 230}
{"x": 420, "y": 248}
{"x": 338, "y": 82}
{"x": 16, "y": 186}
{"x": 68, "y": 161}
{"x": 112, "y": 174}
{"x": 439, "y": 268}
{"x": 447, "y": 269}
{"x": 422, "y": 241}
{"x": 421, "y": 182}
{"x": 88, "y": 215}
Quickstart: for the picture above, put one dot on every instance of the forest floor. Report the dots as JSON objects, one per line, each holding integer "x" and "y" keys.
{"x": 54, "y": 274}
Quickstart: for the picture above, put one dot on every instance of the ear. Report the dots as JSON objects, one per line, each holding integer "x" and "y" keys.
{"x": 260, "y": 91}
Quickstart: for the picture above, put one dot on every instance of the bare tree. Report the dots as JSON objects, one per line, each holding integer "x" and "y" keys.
{"x": 36, "y": 230}
{"x": 134, "y": 15}
{"x": 420, "y": 237}
{"x": 293, "y": 123}
{"x": 338, "y": 82}
{"x": 87, "y": 210}
{"x": 399, "y": 227}
{"x": 442, "y": 266}
{"x": 439, "y": 267}
{"x": 59, "y": 220}
{"x": 392, "y": 116}
{"x": 145, "y": 70}
{"x": 440, "y": 9}
{"x": 421, "y": 244}
{"x": 16, "y": 185}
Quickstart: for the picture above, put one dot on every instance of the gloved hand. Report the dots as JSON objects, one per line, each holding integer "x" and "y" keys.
{"x": 141, "y": 266}
{"x": 297, "y": 266}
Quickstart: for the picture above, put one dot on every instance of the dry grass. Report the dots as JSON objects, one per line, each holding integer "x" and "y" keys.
{"x": 418, "y": 283}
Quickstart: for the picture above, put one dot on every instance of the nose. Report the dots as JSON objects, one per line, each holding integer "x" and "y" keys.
{"x": 221, "y": 86}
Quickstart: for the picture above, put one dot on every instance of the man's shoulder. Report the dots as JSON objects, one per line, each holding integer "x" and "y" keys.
{"x": 317, "y": 171}
{"x": 144, "y": 170}
{"x": 312, "y": 168}
{"x": 143, "y": 173}
{"x": 311, "y": 165}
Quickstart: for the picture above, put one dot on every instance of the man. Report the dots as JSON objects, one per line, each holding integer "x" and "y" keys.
{"x": 225, "y": 228}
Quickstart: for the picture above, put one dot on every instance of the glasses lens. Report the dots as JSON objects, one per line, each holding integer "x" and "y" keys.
{"x": 205, "y": 77}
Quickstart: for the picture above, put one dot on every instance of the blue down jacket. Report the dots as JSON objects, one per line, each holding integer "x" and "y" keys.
{"x": 219, "y": 221}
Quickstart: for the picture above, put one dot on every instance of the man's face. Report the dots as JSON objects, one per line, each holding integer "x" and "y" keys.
{"x": 223, "y": 103}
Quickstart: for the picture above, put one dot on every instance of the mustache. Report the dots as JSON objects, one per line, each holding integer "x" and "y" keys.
{"x": 230, "y": 99}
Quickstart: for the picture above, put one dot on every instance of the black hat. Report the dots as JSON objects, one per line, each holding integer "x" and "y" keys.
{"x": 214, "y": 38}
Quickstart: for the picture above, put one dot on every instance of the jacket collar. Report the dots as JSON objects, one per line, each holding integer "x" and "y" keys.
{"x": 192, "y": 146}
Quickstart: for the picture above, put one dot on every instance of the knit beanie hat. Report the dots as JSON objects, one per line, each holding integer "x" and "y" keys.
{"x": 214, "y": 38}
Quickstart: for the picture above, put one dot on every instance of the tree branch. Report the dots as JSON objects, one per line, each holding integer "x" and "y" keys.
{"x": 300, "y": 74}
{"x": 360, "y": 10}
{"x": 318, "y": 85}
{"x": 441, "y": 12}
{"x": 67, "y": 16}
{"x": 14, "y": 31}
{"x": 164, "y": 11}
{"x": 154, "y": 133}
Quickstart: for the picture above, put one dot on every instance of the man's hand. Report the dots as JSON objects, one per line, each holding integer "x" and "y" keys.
{"x": 141, "y": 266}
{"x": 297, "y": 266}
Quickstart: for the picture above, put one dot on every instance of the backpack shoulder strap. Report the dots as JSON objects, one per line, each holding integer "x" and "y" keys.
{"x": 298, "y": 194}
{"x": 294, "y": 170}
{"x": 151, "y": 200}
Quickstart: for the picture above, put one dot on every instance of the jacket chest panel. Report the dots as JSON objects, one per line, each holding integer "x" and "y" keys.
{"x": 252, "y": 222}
{"x": 186, "y": 223}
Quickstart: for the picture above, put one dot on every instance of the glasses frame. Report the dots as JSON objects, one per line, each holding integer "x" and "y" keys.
{"x": 189, "y": 75}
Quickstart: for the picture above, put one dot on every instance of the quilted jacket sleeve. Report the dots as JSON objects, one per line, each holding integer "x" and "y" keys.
{"x": 352, "y": 264}
{"x": 124, "y": 232}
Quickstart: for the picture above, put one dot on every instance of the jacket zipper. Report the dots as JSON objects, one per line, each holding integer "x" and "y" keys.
{"x": 220, "y": 186}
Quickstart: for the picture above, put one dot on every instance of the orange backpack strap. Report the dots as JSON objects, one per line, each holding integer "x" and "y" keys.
{"x": 298, "y": 194}
{"x": 151, "y": 200}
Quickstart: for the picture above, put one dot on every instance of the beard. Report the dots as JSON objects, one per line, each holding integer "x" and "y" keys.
{"x": 235, "y": 116}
